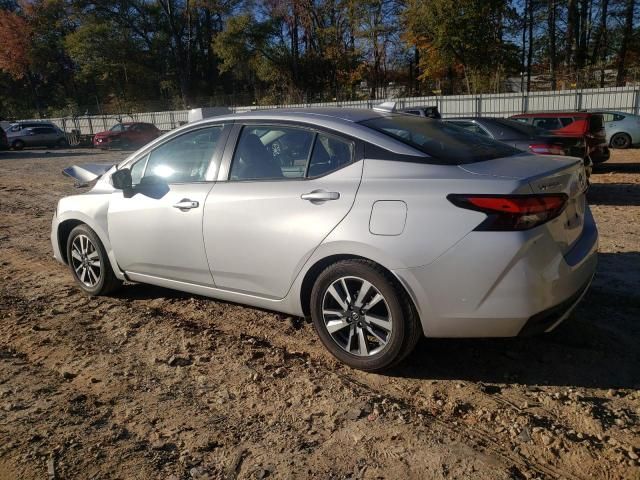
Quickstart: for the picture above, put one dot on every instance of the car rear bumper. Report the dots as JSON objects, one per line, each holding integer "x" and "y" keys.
{"x": 492, "y": 284}
{"x": 550, "y": 318}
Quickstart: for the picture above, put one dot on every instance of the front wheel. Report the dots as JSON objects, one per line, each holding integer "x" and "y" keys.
{"x": 89, "y": 262}
{"x": 362, "y": 316}
{"x": 18, "y": 145}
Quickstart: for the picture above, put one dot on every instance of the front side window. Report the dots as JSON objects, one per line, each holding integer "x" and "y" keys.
{"x": 182, "y": 159}
{"x": 445, "y": 143}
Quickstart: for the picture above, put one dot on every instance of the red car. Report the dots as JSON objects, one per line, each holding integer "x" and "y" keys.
{"x": 586, "y": 128}
{"x": 126, "y": 135}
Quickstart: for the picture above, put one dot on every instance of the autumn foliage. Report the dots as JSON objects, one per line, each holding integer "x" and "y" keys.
{"x": 15, "y": 53}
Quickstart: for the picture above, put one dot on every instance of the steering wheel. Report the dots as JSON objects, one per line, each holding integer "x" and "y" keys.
{"x": 276, "y": 148}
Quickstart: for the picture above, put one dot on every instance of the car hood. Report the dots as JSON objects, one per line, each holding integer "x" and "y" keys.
{"x": 87, "y": 172}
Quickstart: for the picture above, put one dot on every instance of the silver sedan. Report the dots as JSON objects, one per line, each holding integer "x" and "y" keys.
{"x": 381, "y": 227}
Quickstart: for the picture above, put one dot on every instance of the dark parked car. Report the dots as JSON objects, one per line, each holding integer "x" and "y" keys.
{"x": 521, "y": 136}
{"x": 586, "y": 128}
{"x": 428, "y": 112}
{"x": 126, "y": 135}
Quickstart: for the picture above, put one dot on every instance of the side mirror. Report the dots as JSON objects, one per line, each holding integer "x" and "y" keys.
{"x": 121, "y": 179}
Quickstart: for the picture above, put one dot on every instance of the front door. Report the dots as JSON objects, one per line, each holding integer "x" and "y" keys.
{"x": 156, "y": 230}
{"x": 287, "y": 189}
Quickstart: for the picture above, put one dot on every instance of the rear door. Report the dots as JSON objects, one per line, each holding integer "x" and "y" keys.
{"x": 280, "y": 192}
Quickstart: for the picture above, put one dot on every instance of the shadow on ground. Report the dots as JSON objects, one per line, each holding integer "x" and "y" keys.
{"x": 609, "y": 167}
{"x": 597, "y": 347}
{"x": 614, "y": 194}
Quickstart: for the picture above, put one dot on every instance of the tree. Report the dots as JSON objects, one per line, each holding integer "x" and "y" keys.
{"x": 460, "y": 37}
{"x": 626, "y": 39}
{"x": 15, "y": 55}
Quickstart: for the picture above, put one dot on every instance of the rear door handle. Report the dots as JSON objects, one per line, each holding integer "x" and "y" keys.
{"x": 186, "y": 204}
{"x": 320, "y": 196}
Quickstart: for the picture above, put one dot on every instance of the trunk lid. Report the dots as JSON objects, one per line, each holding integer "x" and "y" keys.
{"x": 546, "y": 174}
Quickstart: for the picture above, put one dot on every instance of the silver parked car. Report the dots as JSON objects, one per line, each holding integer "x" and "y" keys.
{"x": 35, "y": 134}
{"x": 623, "y": 129}
{"x": 381, "y": 227}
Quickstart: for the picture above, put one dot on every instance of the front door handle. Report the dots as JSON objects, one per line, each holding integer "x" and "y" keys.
{"x": 186, "y": 204}
{"x": 320, "y": 196}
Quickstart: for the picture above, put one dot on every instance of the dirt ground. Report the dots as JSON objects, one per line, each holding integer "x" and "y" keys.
{"x": 152, "y": 383}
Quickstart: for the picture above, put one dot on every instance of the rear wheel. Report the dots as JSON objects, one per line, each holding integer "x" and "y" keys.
{"x": 89, "y": 262}
{"x": 62, "y": 143}
{"x": 621, "y": 140}
{"x": 17, "y": 145}
{"x": 362, "y": 316}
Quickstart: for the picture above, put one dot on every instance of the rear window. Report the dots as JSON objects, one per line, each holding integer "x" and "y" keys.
{"x": 447, "y": 144}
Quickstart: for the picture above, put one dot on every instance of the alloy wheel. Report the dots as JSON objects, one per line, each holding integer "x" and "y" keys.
{"x": 357, "y": 316}
{"x": 85, "y": 260}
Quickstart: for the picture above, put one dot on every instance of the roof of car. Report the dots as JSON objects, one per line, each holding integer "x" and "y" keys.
{"x": 347, "y": 114}
{"x": 554, "y": 114}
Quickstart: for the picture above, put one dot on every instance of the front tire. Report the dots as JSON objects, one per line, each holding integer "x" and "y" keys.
{"x": 89, "y": 262}
{"x": 362, "y": 315}
{"x": 621, "y": 140}
{"x": 18, "y": 145}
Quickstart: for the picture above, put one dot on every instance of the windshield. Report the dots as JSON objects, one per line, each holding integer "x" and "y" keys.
{"x": 447, "y": 144}
{"x": 119, "y": 127}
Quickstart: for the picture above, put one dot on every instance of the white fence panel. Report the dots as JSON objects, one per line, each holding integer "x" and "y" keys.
{"x": 626, "y": 99}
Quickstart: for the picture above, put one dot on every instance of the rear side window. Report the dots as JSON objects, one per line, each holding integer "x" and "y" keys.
{"x": 329, "y": 154}
{"x": 447, "y": 144}
{"x": 472, "y": 127}
{"x": 566, "y": 121}
{"x": 283, "y": 152}
{"x": 547, "y": 123}
{"x": 42, "y": 130}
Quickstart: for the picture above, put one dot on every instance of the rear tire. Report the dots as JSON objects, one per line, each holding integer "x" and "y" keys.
{"x": 17, "y": 145}
{"x": 620, "y": 140}
{"x": 362, "y": 315}
{"x": 89, "y": 262}
{"x": 62, "y": 143}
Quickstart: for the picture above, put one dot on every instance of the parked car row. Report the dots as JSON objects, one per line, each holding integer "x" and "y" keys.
{"x": 587, "y": 135}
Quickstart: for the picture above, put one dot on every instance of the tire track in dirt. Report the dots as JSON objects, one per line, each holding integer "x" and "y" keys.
{"x": 479, "y": 439}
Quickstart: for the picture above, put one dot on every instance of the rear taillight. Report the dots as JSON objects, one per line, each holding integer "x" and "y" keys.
{"x": 545, "y": 149}
{"x": 512, "y": 212}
